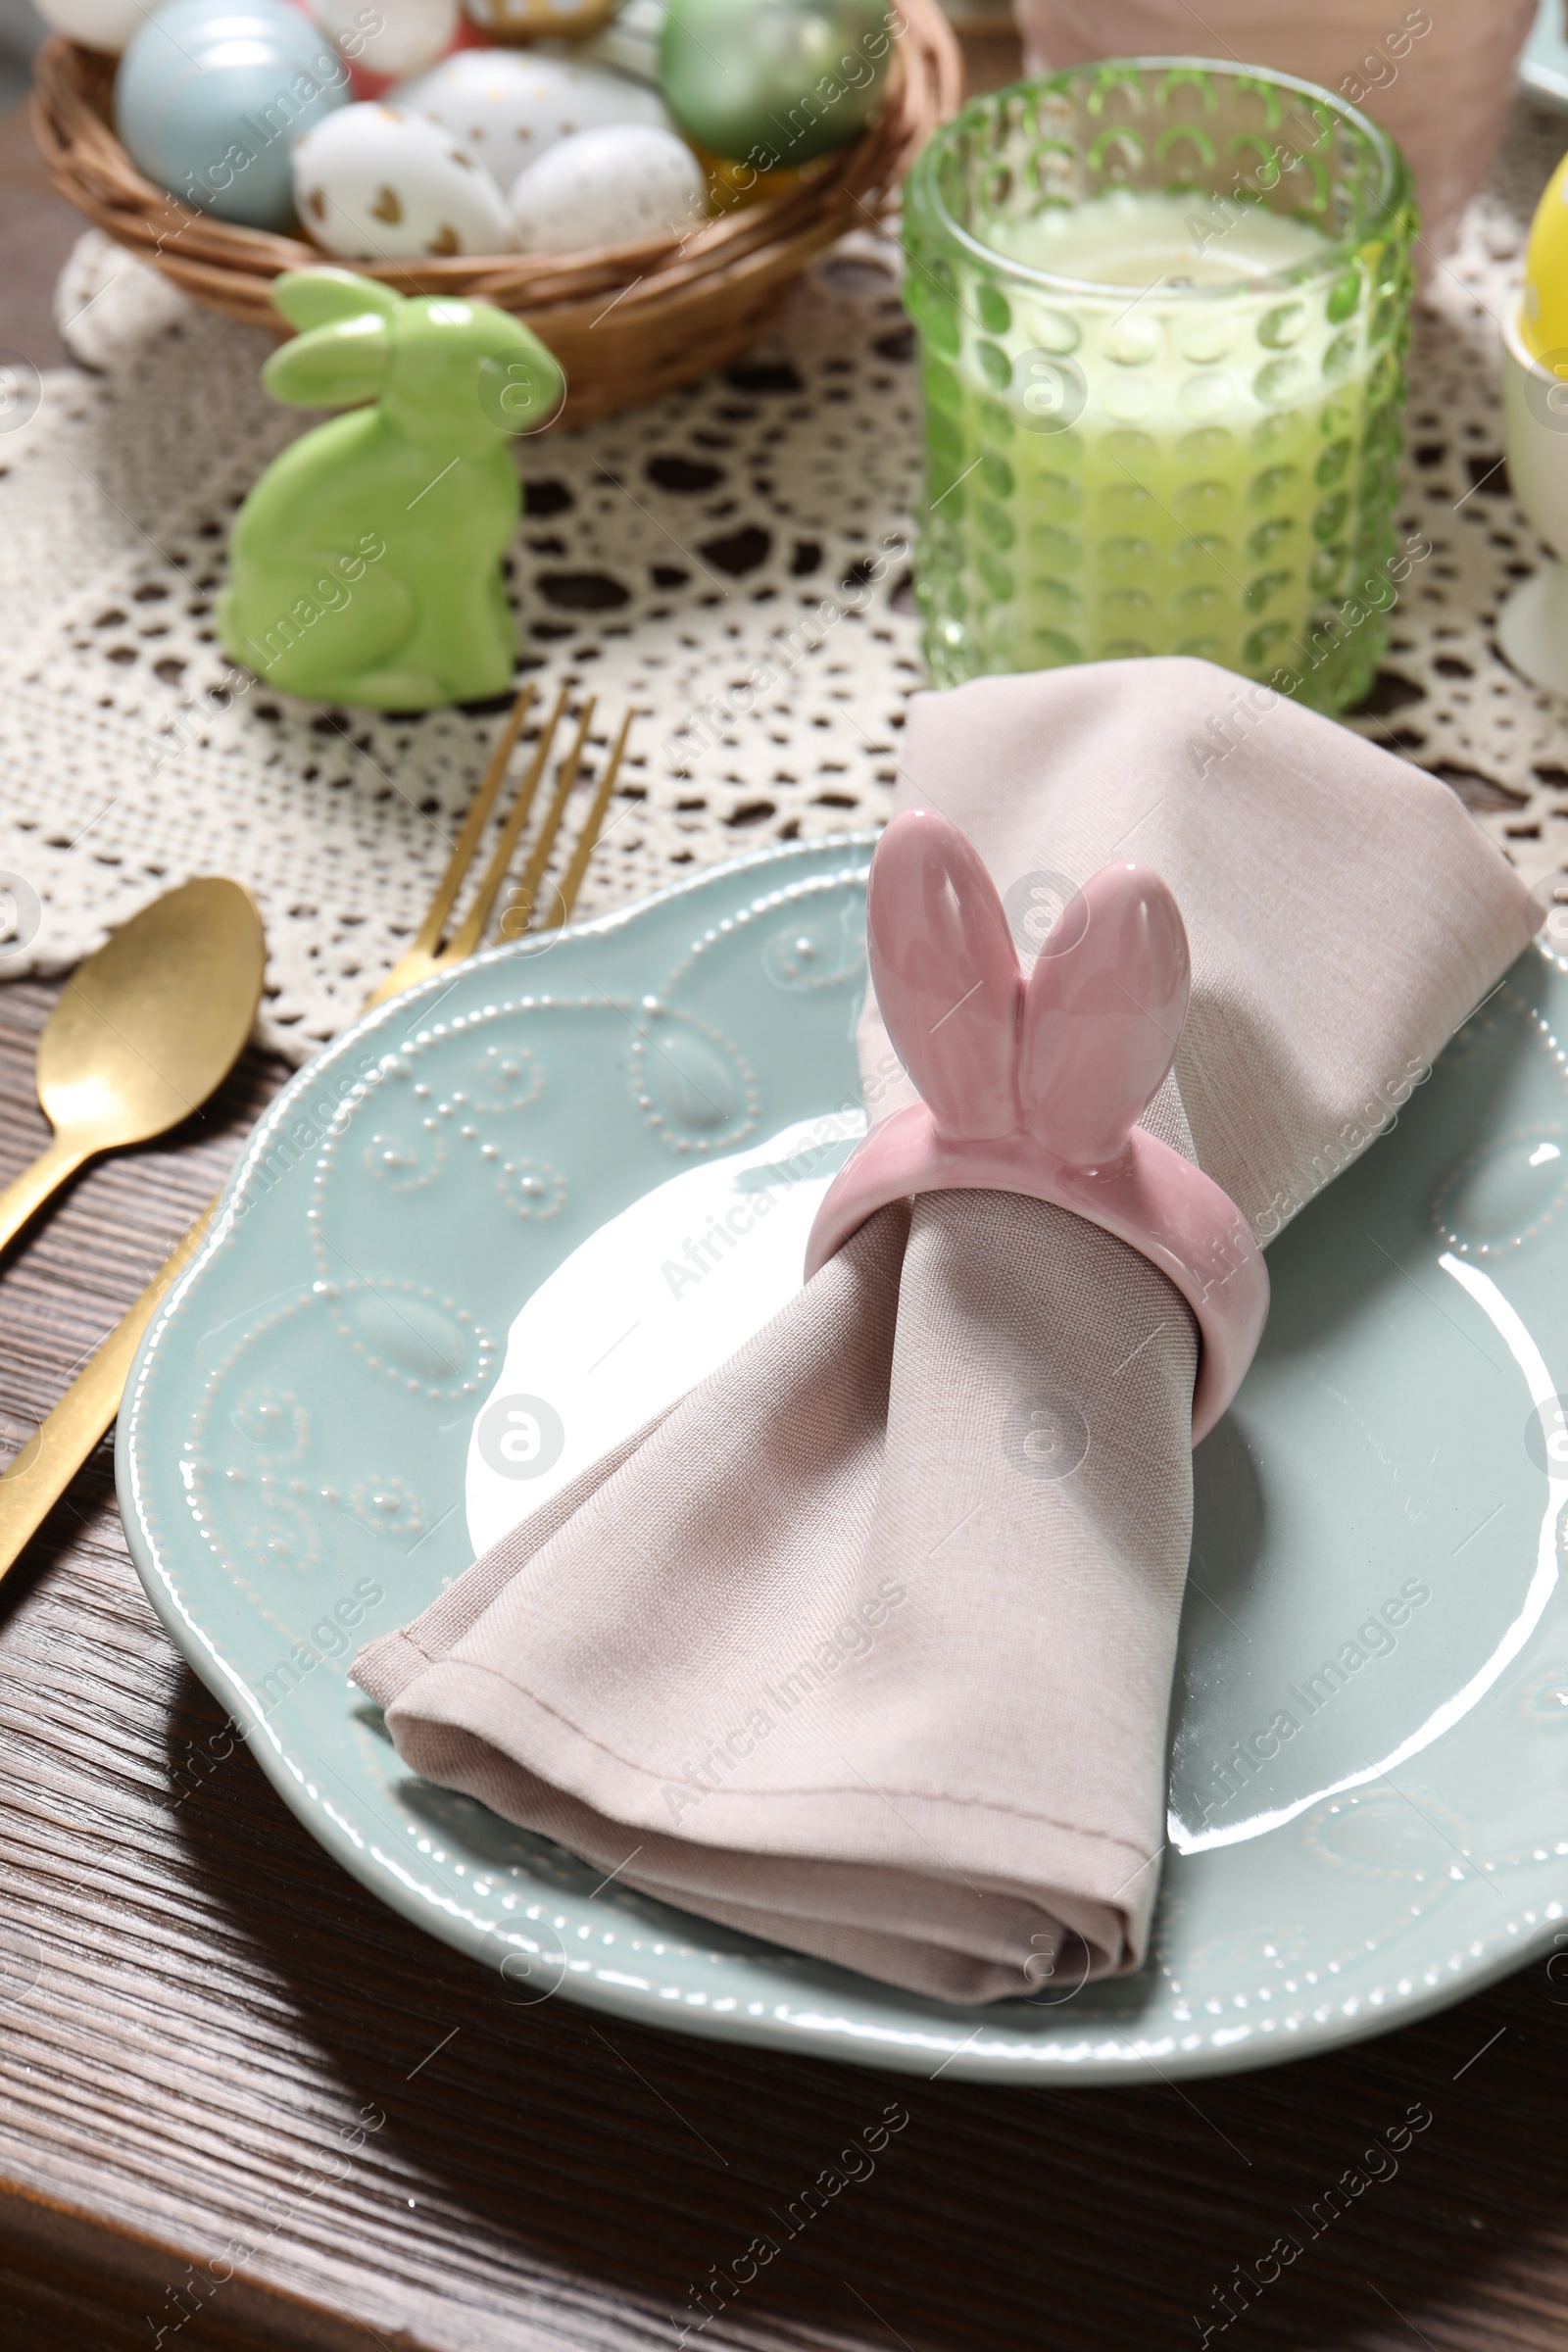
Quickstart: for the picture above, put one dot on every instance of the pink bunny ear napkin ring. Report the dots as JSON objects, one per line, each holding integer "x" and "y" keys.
{"x": 1037, "y": 1087}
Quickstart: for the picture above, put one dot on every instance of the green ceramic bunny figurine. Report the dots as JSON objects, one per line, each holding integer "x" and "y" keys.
{"x": 365, "y": 564}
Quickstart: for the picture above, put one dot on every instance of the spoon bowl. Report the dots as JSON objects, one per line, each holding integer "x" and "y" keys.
{"x": 143, "y": 1032}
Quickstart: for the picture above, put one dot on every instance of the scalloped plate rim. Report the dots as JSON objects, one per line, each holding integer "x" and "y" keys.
{"x": 921, "y": 2031}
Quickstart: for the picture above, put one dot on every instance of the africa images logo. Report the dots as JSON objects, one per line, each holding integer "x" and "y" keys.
{"x": 521, "y": 1437}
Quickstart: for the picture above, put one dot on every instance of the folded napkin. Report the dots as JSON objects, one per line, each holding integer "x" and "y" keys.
{"x": 866, "y": 1646}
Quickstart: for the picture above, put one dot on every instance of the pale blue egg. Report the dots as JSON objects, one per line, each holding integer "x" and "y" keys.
{"x": 210, "y": 98}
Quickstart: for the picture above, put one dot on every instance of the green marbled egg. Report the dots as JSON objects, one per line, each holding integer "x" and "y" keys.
{"x": 774, "y": 83}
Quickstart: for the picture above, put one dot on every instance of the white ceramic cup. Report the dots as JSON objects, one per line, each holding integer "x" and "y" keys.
{"x": 1532, "y": 625}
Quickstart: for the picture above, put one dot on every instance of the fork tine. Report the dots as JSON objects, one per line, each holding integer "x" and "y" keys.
{"x": 472, "y": 930}
{"x": 588, "y": 838}
{"x": 427, "y": 938}
{"x": 539, "y": 856}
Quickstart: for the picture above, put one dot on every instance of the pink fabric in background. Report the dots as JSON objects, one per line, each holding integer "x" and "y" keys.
{"x": 1446, "y": 100}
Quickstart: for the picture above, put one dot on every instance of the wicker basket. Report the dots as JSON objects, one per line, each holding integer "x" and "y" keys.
{"x": 626, "y": 322}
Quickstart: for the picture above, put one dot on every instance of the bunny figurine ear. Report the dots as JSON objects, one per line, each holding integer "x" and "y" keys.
{"x": 1103, "y": 1016}
{"x": 340, "y": 354}
{"x": 945, "y": 973}
{"x": 311, "y": 298}
{"x": 332, "y": 367}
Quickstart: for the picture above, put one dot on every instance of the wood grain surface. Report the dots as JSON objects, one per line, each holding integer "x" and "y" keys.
{"x": 36, "y": 233}
{"x": 217, "y": 2050}
{"x": 243, "y": 2104}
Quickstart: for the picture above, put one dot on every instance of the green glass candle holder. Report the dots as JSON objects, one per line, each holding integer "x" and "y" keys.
{"x": 1188, "y": 467}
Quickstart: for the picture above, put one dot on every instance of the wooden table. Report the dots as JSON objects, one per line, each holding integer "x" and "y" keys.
{"x": 216, "y": 2050}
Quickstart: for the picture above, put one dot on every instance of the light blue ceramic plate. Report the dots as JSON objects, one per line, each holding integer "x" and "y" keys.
{"x": 1370, "y": 1741}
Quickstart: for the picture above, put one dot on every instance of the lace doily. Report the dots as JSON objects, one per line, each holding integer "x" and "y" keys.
{"x": 729, "y": 560}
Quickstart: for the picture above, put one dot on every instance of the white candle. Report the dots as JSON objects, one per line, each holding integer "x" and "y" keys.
{"x": 1152, "y": 237}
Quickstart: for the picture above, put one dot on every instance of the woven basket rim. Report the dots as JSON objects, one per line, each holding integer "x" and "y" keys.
{"x": 223, "y": 262}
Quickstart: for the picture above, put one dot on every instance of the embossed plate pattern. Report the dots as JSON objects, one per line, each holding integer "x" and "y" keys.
{"x": 1370, "y": 1730}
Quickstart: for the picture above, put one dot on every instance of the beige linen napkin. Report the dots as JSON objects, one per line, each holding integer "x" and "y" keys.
{"x": 865, "y": 1647}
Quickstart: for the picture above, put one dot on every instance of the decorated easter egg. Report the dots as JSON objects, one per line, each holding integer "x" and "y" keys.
{"x": 395, "y": 36}
{"x": 373, "y": 184}
{"x": 507, "y": 106}
{"x": 629, "y": 42}
{"x": 210, "y": 98}
{"x": 532, "y": 20}
{"x": 774, "y": 81}
{"x": 100, "y": 24}
{"x": 1546, "y": 310}
{"x": 612, "y": 187}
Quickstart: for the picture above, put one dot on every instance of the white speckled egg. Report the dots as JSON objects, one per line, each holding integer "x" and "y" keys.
{"x": 371, "y": 184}
{"x": 629, "y": 42}
{"x": 507, "y": 108}
{"x": 612, "y": 187}
{"x": 100, "y": 24}
{"x": 395, "y": 36}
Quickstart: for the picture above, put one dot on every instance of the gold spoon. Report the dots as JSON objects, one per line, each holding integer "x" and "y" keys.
{"x": 143, "y": 1032}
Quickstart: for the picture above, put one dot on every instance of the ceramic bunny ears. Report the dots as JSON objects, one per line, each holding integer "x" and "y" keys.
{"x": 1073, "y": 1057}
{"x": 446, "y": 372}
{"x": 1037, "y": 1087}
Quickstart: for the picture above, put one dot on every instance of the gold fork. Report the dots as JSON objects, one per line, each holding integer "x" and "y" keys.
{"x": 426, "y": 953}
{"x": 33, "y": 1483}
